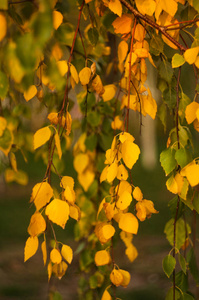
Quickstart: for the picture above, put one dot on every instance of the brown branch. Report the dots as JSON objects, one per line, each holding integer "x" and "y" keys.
{"x": 151, "y": 23}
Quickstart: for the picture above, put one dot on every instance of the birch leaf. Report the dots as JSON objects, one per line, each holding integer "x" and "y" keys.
{"x": 44, "y": 251}
{"x": 122, "y": 51}
{"x": 102, "y": 258}
{"x": 116, "y": 7}
{"x": 130, "y": 153}
{"x": 67, "y": 253}
{"x": 58, "y": 212}
{"x": 41, "y": 194}
{"x": 30, "y": 93}
{"x": 55, "y": 256}
{"x": 41, "y": 136}
{"x": 57, "y": 19}
{"x": 37, "y": 224}
{"x": 128, "y": 223}
{"x": 85, "y": 75}
{"x": 31, "y": 247}
{"x": 3, "y": 26}
{"x": 58, "y": 145}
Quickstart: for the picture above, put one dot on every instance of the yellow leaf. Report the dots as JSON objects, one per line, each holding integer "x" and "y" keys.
{"x": 146, "y": 7}
{"x": 109, "y": 92}
{"x": 41, "y": 194}
{"x": 31, "y": 247}
{"x": 69, "y": 195}
{"x": 86, "y": 178}
{"x": 50, "y": 270}
{"x": 3, "y": 26}
{"x": 67, "y": 181}
{"x": 44, "y": 251}
{"x": 116, "y": 7}
{"x": 106, "y": 296}
{"x": 139, "y": 33}
{"x": 196, "y": 124}
{"x": 130, "y": 153}
{"x": 141, "y": 211}
{"x": 109, "y": 210}
{"x": 122, "y": 51}
{"x": 108, "y": 231}
{"x": 117, "y": 123}
{"x": 126, "y": 278}
{"x": 126, "y": 238}
{"x": 170, "y": 7}
{"x": 126, "y": 136}
{"x": 37, "y": 224}
{"x": 57, "y": 19}
{"x": 67, "y": 253}
{"x": 144, "y": 209}
{"x": 62, "y": 67}
{"x": 123, "y": 24}
{"x": 74, "y": 212}
{"x": 149, "y": 105}
{"x": 191, "y": 171}
{"x": 58, "y": 212}
{"x": 41, "y": 136}
{"x": 58, "y": 145}
{"x": 3, "y": 124}
{"x": 131, "y": 252}
{"x": 116, "y": 277}
{"x": 124, "y": 200}
{"x": 57, "y": 52}
{"x": 190, "y": 111}
{"x": 68, "y": 123}
{"x": 30, "y": 93}
{"x": 110, "y": 156}
{"x": 85, "y": 76}
{"x": 60, "y": 269}
{"x": 137, "y": 194}
{"x": 112, "y": 172}
{"x": 13, "y": 161}
{"x": 101, "y": 206}
{"x": 53, "y": 118}
{"x": 74, "y": 73}
{"x": 81, "y": 161}
{"x": 55, "y": 256}
{"x": 122, "y": 173}
{"x": 98, "y": 86}
{"x": 123, "y": 186}
{"x": 141, "y": 52}
{"x": 191, "y": 54}
{"x": 102, "y": 258}
{"x": 128, "y": 223}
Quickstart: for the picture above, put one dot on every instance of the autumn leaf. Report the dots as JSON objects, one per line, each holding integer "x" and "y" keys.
{"x": 86, "y": 178}
{"x": 102, "y": 258}
{"x": 67, "y": 181}
{"x": 58, "y": 212}
{"x": 62, "y": 67}
{"x": 37, "y": 224}
{"x": 124, "y": 200}
{"x": 126, "y": 278}
{"x": 74, "y": 212}
{"x": 122, "y": 51}
{"x": 44, "y": 251}
{"x": 31, "y": 247}
{"x": 137, "y": 194}
{"x": 81, "y": 161}
{"x": 3, "y": 26}
{"x": 130, "y": 153}
{"x": 131, "y": 252}
{"x": 109, "y": 92}
{"x": 30, "y": 93}
{"x": 116, "y": 277}
{"x": 41, "y": 194}
{"x": 191, "y": 54}
{"x": 57, "y": 19}
{"x": 85, "y": 76}
{"x": 41, "y": 136}
{"x": 146, "y": 7}
{"x": 55, "y": 256}
{"x": 116, "y": 7}
{"x": 128, "y": 223}
{"x": 106, "y": 296}
{"x": 123, "y": 24}
{"x": 67, "y": 253}
{"x": 190, "y": 111}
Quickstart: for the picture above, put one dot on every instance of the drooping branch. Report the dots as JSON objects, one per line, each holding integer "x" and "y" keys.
{"x": 151, "y": 23}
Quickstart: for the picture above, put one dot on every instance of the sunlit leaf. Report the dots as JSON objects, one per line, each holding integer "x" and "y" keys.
{"x": 58, "y": 145}
{"x": 122, "y": 51}
{"x": 146, "y": 6}
{"x": 86, "y": 178}
{"x": 3, "y": 26}
{"x": 62, "y": 67}
{"x": 131, "y": 252}
{"x": 58, "y": 212}
{"x": 85, "y": 75}
{"x": 37, "y": 224}
{"x": 41, "y": 194}
{"x": 55, "y": 256}
{"x": 41, "y": 136}
{"x": 116, "y": 7}
{"x": 191, "y": 54}
{"x": 67, "y": 253}
{"x": 128, "y": 223}
{"x": 106, "y": 296}
{"x": 123, "y": 24}
{"x": 31, "y": 247}
{"x": 126, "y": 278}
{"x": 177, "y": 60}
{"x": 44, "y": 251}
{"x": 57, "y": 19}
{"x": 109, "y": 92}
{"x": 124, "y": 200}
{"x": 190, "y": 112}
{"x": 102, "y": 258}
{"x": 30, "y": 93}
{"x": 130, "y": 153}
{"x": 116, "y": 277}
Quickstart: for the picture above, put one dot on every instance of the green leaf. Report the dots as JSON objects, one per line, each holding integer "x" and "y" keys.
{"x": 169, "y": 97}
{"x": 183, "y": 157}
{"x": 177, "y": 60}
{"x": 94, "y": 118}
{"x": 182, "y": 263}
{"x": 168, "y": 264}
{"x": 4, "y": 4}
{"x": 3, "y": 85}
{"x": 191, "y": 259}
{"x": 93, "y": 282}
{"x": 165, "y": 71}
{"x": 93, "y": 36}
{"x": 184, "y": 101}
{"x": 91, "y": 142}
{"x": 6, "y": 141}
{"x": 172, "y": 206}
{"x": 170, "y": 295}
{"x": 57, "y": 296}
{"x": 181, "y": 232}
{"x": 156, "y": 45}
{"x": 187, "y": 297}
{"x": 162, "y": 114}
{"x": 167, "y": 160}
{"x": 65, "y": 34}
{"x": 182, "y": 281}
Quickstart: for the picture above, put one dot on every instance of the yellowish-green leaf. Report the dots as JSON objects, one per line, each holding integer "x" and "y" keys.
{"x": 58, "y": 145}
{"x": 44, "y": 251}
{"x": 130, "y": 153}
{"x": 85, "y": 76}
{"x": 41, "y": 194}
{"x": 116, "y": 7}
{"x": 58, "y": 212}
{"x": 30, "y": 93}
{"x": 55, "y": 256}
{"x": 37, "y": 224}
{"x": 3, "y": 26}
{"x": 67, "y": 253}
{"x": 102, "y": 258}
{"x": 177, "y": 60}
{"x": 31, "y": 247}
{"x": 57, "y": 19}
{"x": 41, "y": 136}
{"x": 129, "y": 223}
